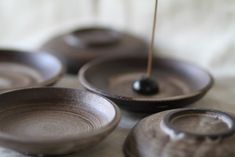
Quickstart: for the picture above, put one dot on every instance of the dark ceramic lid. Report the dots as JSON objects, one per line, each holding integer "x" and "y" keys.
{"x": 180, "y": 83}
{"x": 183, "y": 133}
{"x": 20, "y": 69}
{"x": 83, "y": 45}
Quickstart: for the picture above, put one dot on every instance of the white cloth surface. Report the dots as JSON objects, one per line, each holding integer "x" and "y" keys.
{"x": 200, "y": 31}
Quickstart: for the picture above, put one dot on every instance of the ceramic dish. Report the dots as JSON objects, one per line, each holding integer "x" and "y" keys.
{"x": 85, "y": 44}
{"x": 180, "y": 83}
{"x": 20, "y": 69}
{"x": 183, "y": 133}
{"x": 54, "y": 121}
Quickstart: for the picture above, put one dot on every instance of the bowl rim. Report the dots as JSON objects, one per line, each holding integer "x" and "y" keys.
{"x": 169, "y": 128}
{"x": 111, "y": 125}
{"x": 90, "y": 87}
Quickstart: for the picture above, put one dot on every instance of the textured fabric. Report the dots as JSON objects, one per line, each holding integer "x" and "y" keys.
{"x": 200, "y": 31}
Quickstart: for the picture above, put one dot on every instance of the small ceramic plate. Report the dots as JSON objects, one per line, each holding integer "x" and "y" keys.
{"x": 54, "y": 121}
{"x": 20, "y": 69}
{"x": 180, "y": 83}
{"x": 78, "y": 47}
{"x": 183, "y": 133}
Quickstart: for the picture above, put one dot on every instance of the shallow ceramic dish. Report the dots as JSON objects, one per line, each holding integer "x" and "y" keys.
{"x": 76, "y": 48}
{"x": 54, "y": 121}
{"x": 180, "y": 83}
{"x": 183, "y": 133}
{"x": 20, "y": 69}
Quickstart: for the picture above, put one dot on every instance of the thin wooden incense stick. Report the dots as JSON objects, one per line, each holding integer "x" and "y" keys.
{"x": 151, "y": 46}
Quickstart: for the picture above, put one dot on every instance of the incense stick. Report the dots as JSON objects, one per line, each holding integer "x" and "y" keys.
{"x": 151, "y": 46}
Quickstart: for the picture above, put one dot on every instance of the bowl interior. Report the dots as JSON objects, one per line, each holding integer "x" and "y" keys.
{"x": 21, "y": 69}
{"x": 114, "y": 77}
{"x": 93, "y": 37}
{"x": 188, "y": 132}
{"x": 51, "y": 114}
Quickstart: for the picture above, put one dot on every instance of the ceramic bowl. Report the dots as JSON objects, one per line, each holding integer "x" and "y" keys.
{"x": 54, "y": 121}
{"x": 183, "y": 133}
{"x": 78, "y": 47}
{"x": 19, "y": 69}
{"x": 180, "y": 83}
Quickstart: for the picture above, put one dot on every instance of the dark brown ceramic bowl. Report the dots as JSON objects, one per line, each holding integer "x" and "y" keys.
{"x": 80, "y": 46}
{"x": 20, "y": 69}
{"x": 183, "y": 133}
{"x": 54, "y": 121}
{"x": 180, "y": 83}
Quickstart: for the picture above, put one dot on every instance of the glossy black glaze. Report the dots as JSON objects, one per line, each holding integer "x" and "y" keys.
{"x": 145, "y": 86}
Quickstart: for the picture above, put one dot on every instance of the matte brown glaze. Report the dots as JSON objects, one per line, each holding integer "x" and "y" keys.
{"x": 54, "y": 121}
{"x": 20, "y": 69}
{"x": 201, "y": 135}
{"x": 180, "y": 83}
{"x": 80, "y": 46}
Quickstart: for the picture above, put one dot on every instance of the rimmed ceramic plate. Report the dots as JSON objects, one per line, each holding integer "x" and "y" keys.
{"x": 54, "y": 121}
{"x": 183, "y": 132}
{"x": 78, "y": 47}
{"x": 180, "y": 83}
{"x": 20, "y": 69}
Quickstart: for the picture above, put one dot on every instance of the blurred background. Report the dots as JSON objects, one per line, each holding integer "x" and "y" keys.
{"x": 199, "y": 31}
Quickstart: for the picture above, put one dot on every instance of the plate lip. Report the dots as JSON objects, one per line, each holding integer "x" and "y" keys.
{"x": 109, "y": 127}
{"x": 169, "y": 128}
{"x": 45, "y": 82}
{"x": 89, "y": 87}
